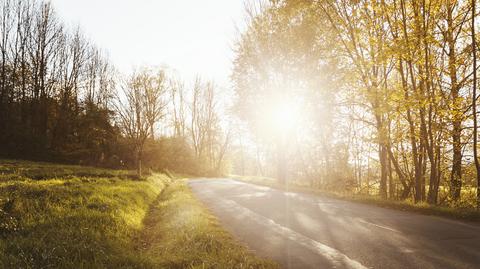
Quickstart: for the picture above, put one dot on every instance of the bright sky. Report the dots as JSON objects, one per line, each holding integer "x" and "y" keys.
{"x": 190, "y": 36}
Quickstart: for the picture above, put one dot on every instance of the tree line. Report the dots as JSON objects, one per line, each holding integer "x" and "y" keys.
{"x": 390, "y": 88}
{"x": 61, "y": 99}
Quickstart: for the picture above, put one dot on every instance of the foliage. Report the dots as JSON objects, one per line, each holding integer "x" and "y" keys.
{"x": 55, "y": 88}
{"x": 386, "y": 86}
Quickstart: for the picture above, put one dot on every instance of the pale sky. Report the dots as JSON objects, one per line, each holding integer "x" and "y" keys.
{"x": 190, "y": 36}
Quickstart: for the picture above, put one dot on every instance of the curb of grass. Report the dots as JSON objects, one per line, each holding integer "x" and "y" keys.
{"x": 461, "y": 214}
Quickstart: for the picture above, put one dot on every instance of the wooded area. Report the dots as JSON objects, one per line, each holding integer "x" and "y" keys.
{"x": 388, "y": 89}
{"x": 62, "y": 100}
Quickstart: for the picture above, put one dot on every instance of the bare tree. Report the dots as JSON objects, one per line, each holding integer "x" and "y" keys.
{"x": 209, "y": 143}
{"x": 177, "y": 97}
{"x": 55, "y": 87}
{"x": 140, "y": 107}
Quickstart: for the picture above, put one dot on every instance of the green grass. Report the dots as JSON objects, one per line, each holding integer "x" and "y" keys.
{"x": 459, "y": 213}
{"x": 61, "y": 216}
{"x": 56, "y": 216}
{"x": 23, "y": 170}
{"x": 181, "y": 233}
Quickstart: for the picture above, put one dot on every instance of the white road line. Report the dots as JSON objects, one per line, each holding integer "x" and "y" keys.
{"x": 406, "y": 250}
{"x": 379, "y": 226}
{"x": 338, "y": 259}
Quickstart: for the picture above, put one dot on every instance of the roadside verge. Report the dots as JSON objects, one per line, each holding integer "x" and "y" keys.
{"x": 179, "y": 232}
{"x": 464, "y": 214}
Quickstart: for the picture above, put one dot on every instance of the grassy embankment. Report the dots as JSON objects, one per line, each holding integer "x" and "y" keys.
{"x": 459, "y": 212}
{"x": 59, "y": 216}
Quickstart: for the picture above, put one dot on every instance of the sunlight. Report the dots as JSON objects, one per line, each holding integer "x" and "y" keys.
{"x": 283, "y": 115}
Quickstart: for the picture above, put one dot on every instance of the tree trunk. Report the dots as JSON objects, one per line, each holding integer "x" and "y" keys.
{"x": 456, "y": 173}
{"x": 383, "y": 173}
{"x": 139, "y": 163}
{"x": 281, "y": 164}
{"x": 391, "y": 187}
{"x": 382, "y": 154}
{"x": 474, "y": 103}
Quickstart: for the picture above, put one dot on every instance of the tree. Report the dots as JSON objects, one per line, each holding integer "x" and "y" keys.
{"x": 207, "y": 137}
{"x": 140, "y": 107}
{"x": 406, "y": 72}
{"x": 177, "y": 96}
{"x": 474, "y": 101}
{"x": 50, "y": 79}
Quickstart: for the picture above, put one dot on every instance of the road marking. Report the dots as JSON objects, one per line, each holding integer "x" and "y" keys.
{"x": 334, "y": 256}
{"x": 251, "y": 195}
{"x": 406, "y": 250}
{"x": 379, "y": 226}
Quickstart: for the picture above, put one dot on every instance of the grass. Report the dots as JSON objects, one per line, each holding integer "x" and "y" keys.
{"x": 56, "y": 216}
{"x": 181, "y": 233}
{"x": 63, "y": 216}
{"x": 458, "y": 213}
{"x": 23, "y": 170}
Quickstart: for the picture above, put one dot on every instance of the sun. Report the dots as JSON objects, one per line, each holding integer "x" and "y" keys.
{"x": 283, "y": 115}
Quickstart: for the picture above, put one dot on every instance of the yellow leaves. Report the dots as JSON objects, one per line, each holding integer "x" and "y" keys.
{"x": 396, "y": 95}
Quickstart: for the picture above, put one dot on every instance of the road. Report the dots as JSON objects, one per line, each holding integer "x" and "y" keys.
{"x": 307, "y": 231}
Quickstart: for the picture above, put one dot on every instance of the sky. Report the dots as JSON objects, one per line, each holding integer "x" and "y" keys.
{"x": 190, "y": 36}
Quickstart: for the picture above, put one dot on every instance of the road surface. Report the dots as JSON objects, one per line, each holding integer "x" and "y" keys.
{"x": 307, "y": 231}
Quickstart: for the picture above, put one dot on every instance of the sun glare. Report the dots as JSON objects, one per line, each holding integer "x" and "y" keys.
{"x": 283, "y": 116}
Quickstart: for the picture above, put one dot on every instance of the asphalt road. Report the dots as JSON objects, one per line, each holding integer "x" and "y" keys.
{"x": 307, "y": 231}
